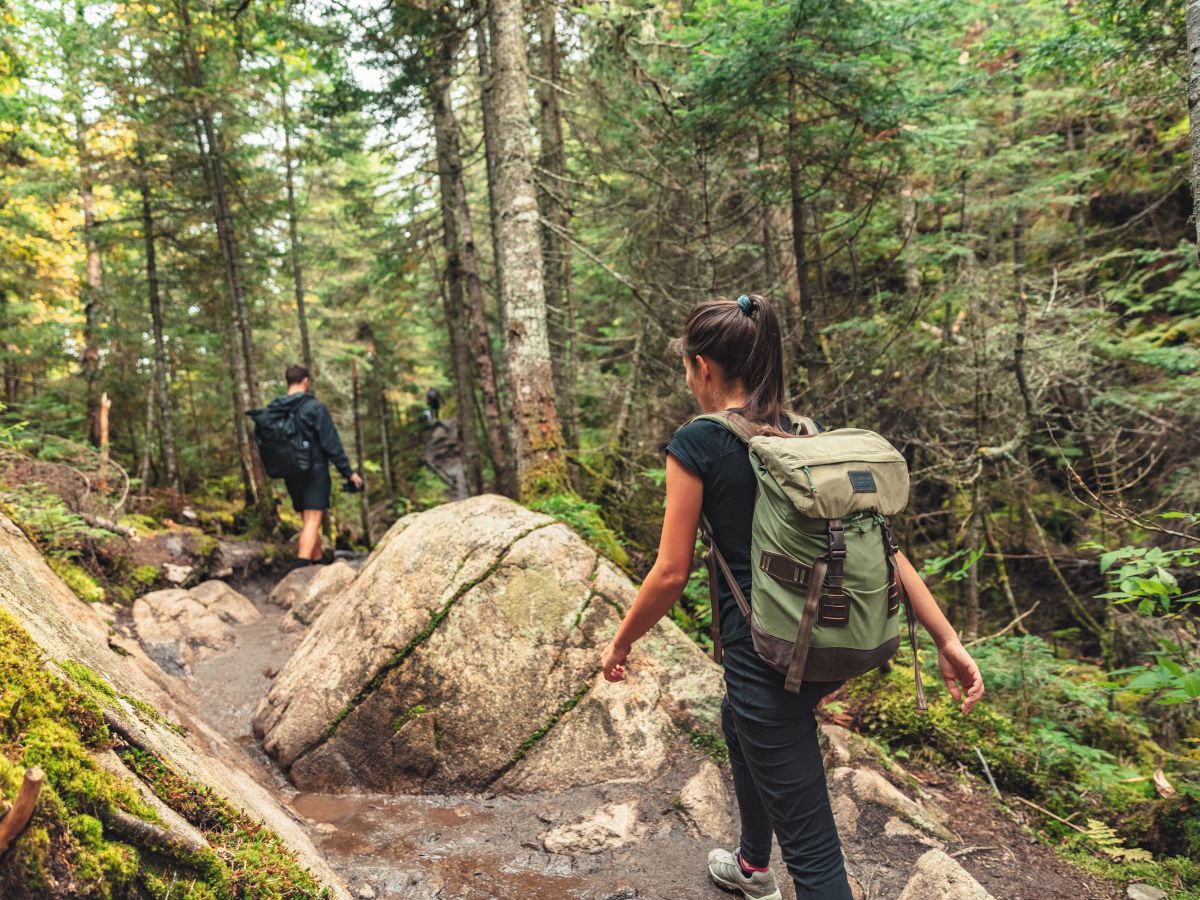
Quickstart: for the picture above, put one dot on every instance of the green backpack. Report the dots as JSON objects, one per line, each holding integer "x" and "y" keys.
{"x": 825, "y": 589}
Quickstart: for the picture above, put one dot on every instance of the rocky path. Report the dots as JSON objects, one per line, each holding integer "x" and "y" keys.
{"x": 623, "y": 840}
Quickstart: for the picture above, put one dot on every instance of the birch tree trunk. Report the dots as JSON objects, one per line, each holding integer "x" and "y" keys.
{"x": 166, "y": 426}
{"x": 1192, "y": 17}
{"x": 537, "y": 435}
{"x": 554, "y": 204}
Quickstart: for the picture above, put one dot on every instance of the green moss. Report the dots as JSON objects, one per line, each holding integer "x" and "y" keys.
{"x": 259, "y": 864}
{"x": 205, "y": 546}
{"x": 145, "y": 576}
{"x": 54, "y": 724}
{"x": 526, "y": 745}
{"x": 58, "y": 724}
{"x": 584, "y": 518}
{"x": 1177, "y": 875}
{"x": 77, "y": 579}
{"x": 141, "y": 524}
{"x": 409, "y": 714}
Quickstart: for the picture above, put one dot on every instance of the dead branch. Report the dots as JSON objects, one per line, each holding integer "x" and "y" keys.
{"x": 107, "y": 525}
{"x": 18, "y": 817}
{"x": 147, "y": 834}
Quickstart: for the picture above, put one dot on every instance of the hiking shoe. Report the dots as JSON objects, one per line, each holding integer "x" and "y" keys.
{"x": 725, "y": 872}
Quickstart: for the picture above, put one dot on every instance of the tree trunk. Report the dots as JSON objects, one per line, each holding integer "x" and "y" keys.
{"x": 468, "y": 258}
{"x": 241, "y": 350}
{"x": 537, "y": 436}
{"x": 908, "y": 225}
{"x": 554, "y": 204}
{"x": 148, "y": 446}
{"x": 170, "y": 453}
{"x": 102, "y": 419}
{"x": 1192, "y": 18}
{"x": 490, "y": 151}
{"x": 294, "y": 232}
{"x": 449, "y": 164}
{"x": 1018, "y": 266}
{"x": 252, "y": 474}
{"x": 364, "y": 502}
{"x": 809, "y": 348}
{"x": 385, "y": 437}
{"x": 90, "y": 287}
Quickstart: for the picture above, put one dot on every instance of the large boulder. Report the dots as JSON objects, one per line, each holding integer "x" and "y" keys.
{"x": 65, "y": 628}
{"x": 466, "y": 655}
{"x": 178, "y": 628}
{"x": 307, "y": 591}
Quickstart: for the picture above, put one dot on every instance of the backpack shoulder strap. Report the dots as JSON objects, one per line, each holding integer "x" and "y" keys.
{"x": 802, "y": 425}
{"x": 741, "y": 427}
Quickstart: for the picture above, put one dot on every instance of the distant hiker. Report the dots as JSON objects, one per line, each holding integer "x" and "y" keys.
{"x": 827, "y": 586}
{"x": 434, "y": 400}
{"x": 298, "y": 441}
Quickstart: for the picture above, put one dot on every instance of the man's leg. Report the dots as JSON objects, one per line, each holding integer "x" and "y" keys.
{"x": 310, "y": 534}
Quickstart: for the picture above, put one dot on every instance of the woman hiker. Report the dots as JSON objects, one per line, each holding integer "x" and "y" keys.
{"x": 733, "y": 360}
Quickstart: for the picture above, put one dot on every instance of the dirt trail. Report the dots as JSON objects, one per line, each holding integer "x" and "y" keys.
{"x": 475, "y": 847}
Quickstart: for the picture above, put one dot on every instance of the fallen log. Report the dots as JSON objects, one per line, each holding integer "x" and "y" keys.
{"x": 18, "y": 817}
{"x": 107, "y": 525}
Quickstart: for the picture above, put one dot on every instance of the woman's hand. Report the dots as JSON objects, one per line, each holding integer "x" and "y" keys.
{"x": 960, "y": 673}
{"x": 612, "y": 661}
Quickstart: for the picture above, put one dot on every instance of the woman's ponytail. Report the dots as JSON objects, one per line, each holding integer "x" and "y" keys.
{"x": 744, "y": 338}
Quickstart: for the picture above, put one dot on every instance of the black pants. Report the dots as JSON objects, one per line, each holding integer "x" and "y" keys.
{"x": 778, "y": 775}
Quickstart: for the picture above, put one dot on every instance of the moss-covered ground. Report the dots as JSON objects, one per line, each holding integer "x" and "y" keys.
{"x": 1056, "y": 732}
{"x": 68, "y": 849}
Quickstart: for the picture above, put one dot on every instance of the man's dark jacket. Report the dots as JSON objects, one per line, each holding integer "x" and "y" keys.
{"x": 318, "y": 427}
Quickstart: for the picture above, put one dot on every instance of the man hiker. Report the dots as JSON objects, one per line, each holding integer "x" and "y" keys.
{"x": 434, "y": 400}
{"x": 298, "y": 441}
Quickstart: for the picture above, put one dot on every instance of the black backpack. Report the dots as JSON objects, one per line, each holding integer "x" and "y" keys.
{"x": 283, "y": 443}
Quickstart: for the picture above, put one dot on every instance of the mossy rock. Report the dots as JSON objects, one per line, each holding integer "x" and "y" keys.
{"x": 67, "y": 850}
{"x": 78, "y": 579}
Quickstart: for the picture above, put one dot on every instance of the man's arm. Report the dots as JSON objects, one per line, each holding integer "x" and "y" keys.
{"x": 331, "y": 443}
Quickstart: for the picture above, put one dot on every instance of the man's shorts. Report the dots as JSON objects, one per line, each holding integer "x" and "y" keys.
{"x": 311, "y": 490}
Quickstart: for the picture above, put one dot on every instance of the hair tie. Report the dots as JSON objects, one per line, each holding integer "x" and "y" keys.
{"x": 746, "y": 305}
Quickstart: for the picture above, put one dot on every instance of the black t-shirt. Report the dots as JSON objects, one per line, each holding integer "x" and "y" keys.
{"x": 715, "y": 453}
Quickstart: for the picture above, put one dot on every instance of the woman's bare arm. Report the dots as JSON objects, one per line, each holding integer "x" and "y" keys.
{"x": 958, "y": 669}
{"x": 669, "y": 575}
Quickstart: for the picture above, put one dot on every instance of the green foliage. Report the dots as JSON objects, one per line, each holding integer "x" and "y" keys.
{"x": 954, "y": 567}
{"x": 693, "y": 613}
{"x": 77, "y": 579}
{"x": 711, "y": 744}
{"x": 1049, "y": 730}
{"x": 1147, "y": 578}
{"x": 585, "y": 519}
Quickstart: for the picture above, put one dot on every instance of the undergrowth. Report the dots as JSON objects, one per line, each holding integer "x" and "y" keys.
{"x": 1055, "y": 732}
{"x": 584, "y": 518}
